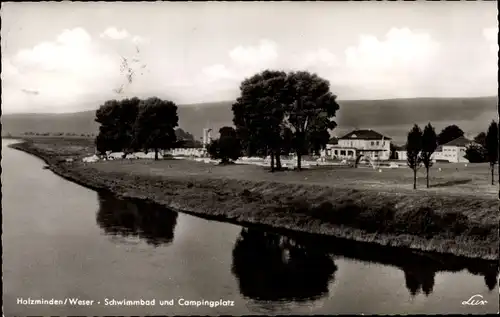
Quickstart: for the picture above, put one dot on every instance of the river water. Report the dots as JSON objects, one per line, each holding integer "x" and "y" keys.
{"x": 61, "y": 240}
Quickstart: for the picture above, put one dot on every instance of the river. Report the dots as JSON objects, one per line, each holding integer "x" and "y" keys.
{"x": 61, "y": 240}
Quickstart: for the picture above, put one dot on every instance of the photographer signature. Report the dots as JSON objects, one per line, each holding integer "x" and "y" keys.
{"x": 475, "y": 300}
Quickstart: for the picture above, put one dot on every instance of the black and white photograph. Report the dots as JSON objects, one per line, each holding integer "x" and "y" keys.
{"x": 250, "y": 158}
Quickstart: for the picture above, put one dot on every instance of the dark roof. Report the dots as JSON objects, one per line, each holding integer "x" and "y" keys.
{"x": 364, "y": 135}
{"x": 461, "y": 141}
{"x": 333, "y": 141}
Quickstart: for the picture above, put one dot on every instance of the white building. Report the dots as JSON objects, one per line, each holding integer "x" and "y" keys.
{"x": 207, "y": 137}
{"x": 400, "y": 153}
{"x": 453, "y": 151}
{"x": 193, "y": 152}
{"x": 367, "y": 143}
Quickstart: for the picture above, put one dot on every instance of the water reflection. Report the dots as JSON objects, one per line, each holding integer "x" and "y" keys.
{"x": 300, "y": 267}
{"x": 277, "y": 268}
{"x": 420, "y": 268}
{"x": 132, "y": 218}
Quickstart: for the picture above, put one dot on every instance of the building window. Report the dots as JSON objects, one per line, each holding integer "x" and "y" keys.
{"x": 342, "y": 152}
{"x": 377, "y": 143}
{"x": 372, "y": 143}
{"x": 336, "y": 152}
{"x": 349, "y": 153}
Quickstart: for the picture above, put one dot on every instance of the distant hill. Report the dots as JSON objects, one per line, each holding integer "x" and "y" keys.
{"x": 392, "y": 117}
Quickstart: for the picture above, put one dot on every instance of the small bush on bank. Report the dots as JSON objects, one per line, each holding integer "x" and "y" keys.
{"x": 250, "y": 196}
{"x": 421, "y": 221}
{"x": 377, "y": 219}
{"x": 455, "y": 222}
{"x": 482, "y": 232}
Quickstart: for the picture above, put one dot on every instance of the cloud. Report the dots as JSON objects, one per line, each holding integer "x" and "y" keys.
{"x": 264, "y": 53}
{"x": 491, "y": 35}
{"x": 61, "y": 71}
{"x": 139, "y": 40}
{"x": 71, "y": 51}
{"x": 217, "y": 72}
{"x": 321, "y": 57}
{"x": 401, "y": 49}
{"x": 397, "y": 64}
{"x": 115, "y": 34}
{"x": 243, "y": 61}
{"x": 8, "y": 70}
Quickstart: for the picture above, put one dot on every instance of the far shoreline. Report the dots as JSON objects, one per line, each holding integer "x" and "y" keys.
{"x": 225, "y": 209}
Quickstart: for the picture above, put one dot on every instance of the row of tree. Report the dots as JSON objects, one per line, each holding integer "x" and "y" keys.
{"x": 131, "y": 125}
{"x": 421, "y": 145}
{"x": 277, "y": 113}
{"x": 60, "y": 134}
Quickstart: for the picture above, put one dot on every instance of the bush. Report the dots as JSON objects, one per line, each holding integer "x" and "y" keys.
{"x": 377, "y": 219}
{"x": 345, "y": 213}
{"x": 299, "y": 205}
{"x": 253, "y": 196}
{"x": 454, "y": 222}
{"x": 482, "y": 232}
{"x": 324, "y": 211}
{"x": 421, "y": 221}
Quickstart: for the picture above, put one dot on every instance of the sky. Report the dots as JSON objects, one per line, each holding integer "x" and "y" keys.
{"x": 65, "y": 57}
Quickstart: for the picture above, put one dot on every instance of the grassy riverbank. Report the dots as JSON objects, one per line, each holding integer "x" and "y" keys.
{"x": 358, "y": 204}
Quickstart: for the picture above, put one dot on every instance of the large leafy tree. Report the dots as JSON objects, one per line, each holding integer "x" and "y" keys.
{"x": 429, "y": 145}
{"x": 258, "y": 114}
{"x": 318, "y": 139}
{"x": 227, "y": 147}
{"x": 449, "y": 133}
{"x": 413, "y": 149}
{"x": 309, "y": 108}
{"x": 481, "y": 139}
{"x": 155, "y": 125}
{"x": 116, "y": 119}
{"x": 492, "y": 147}
{"x": 476, "y": 153}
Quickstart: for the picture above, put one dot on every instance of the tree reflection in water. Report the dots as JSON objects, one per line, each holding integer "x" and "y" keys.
{"x": 274, "y": 267}
{"x": 420, "y": 268}
{"x": 132, "y": 218}
{"x": 277, "y": 268}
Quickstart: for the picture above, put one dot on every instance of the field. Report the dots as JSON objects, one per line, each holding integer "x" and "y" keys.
{"x": 458, "y": 214}
{"x": 445, "y": 178}
{"x": 453, "y": 179}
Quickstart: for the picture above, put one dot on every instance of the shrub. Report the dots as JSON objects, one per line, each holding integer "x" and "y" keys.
{"x": 299, "y": 205}
{"x": 420, "y": 221}
{"x": 251, "y": 196}
{"x": 482, "y": 232}
{"x": 345, "y": 213}
{"x": 324, "y": 211}
{"x": 454, "y": 222}
{"x": 377, "y": 219}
